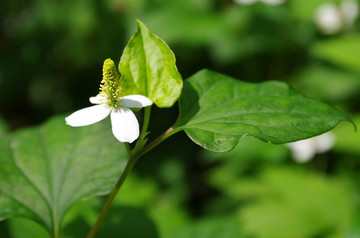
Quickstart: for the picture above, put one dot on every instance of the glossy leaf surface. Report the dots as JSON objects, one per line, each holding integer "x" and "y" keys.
{"x": 217, "y": 110}
{"x": 148, "y": 68}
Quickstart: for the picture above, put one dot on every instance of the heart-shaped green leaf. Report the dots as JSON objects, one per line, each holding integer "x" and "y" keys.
{"x": 44, "y": 170}
{"x": 217, "y": 110}
{"x": 148, "y": 68}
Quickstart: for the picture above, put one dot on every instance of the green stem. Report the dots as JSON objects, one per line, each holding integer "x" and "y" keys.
{"x": 146, "y": 121}
{"x": 130, "y": 164}
{"x": 56, "y": 224}
{"x": 141, "y": 141}
{"x": 127, "y": 147}
{"x": 57, "y": 232}
{"x": 135, "y": 154}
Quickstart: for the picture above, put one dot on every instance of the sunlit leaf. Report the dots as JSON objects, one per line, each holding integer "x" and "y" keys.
{"x": 298, "y": 204}
{"x": 217, "y": 110}
{"x": 343, "y": 51}
{"x": 148, "y": 68}
{"x": 44, "y": 170}
{"x": 305, "y": 9}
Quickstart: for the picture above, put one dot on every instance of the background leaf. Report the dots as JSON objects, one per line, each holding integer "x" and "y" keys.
{"x": 342, "y": 51}
{"x": 148, "y": 68}
{"x": 217, "y": 110}
{"x": 44, "y": 170}
{"x": 327, "y": 83}
{"x": 295, "y": 199}
{"x": 305, "y": 9}
{"x": 346, "y": 140}
{"x": 217, "y": 227}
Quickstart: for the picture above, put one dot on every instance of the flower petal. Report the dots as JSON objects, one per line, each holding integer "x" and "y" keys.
{"x": 135, "y": 101}
{"x": 88, "y": 116}
{"x": 96, "y": 99}
{"x": 125, "y": 126}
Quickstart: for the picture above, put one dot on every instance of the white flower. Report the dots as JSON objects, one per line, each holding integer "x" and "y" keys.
{"x": 328, "y": 18}
{"x": 331, "y": 18}
{"x": 125, "y": 126}
{"x": 350, "y": 11}
{"x": 305, "y": 150}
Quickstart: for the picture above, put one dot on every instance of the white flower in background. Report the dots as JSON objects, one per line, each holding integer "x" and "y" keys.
{"x": 350, "y": 11}
{"x": 245, "y": 2}
{"x": 268, "y": 2}
{"x": 305, "y": 150}
{"x": 331, "y": 18}
{"x": 273, "y": 2}
{"x": 125, "y": 126}
{"x": 328, "y": 18}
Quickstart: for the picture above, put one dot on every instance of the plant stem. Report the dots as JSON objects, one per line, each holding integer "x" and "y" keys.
{"x": 135, "y": 154}
{"x": 57, "y": 231}
{"x": 142, "y": 138}
{"x": 146, "y": 121}
{"x": 130, "y": 164}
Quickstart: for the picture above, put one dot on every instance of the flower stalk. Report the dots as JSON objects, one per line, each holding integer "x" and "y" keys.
{"x": 136, "y": 153}
{"x": 130, "y": 164}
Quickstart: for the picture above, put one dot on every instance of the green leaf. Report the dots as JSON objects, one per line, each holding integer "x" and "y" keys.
{"x": 148, "y": 68}
{"x": 44, "y": 170}
{"x": 217, "y": 110}
{"x": 342, "y": 51}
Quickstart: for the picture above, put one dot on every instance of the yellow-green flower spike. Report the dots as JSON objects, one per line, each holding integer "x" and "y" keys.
{"x": 110, "y": 86}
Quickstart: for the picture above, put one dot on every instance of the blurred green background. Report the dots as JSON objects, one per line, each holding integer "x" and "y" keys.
{"x": 51, "y": 60}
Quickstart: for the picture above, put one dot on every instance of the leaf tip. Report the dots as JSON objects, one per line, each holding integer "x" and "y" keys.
{"x": 140, "y": 24}
{"x": 353, "y": 123}
{"x": 348, "y": 119}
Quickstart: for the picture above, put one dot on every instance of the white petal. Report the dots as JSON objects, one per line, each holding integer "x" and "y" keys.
{"x": 136, "y": 101}
{"x": 88, "y": 116}
{"x": 125, "y": 126}
{"x": 97, "y": 99}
